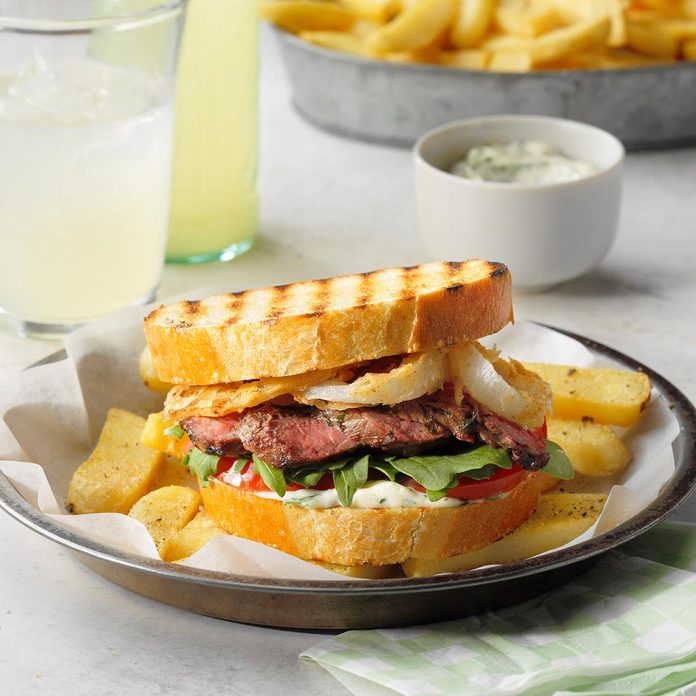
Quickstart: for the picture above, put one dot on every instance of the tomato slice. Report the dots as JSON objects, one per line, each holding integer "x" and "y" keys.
{"x": 249, "y": 480}
{"x": 502, "y": 481}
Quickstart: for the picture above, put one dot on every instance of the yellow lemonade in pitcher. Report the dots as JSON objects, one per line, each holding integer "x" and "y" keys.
{"x": 214, "y": 204}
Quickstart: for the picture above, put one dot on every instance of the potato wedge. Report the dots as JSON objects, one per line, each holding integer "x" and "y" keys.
{"x": 165, "y": 511}
{"x": 153, "y": 436}
{"x": 593, "y": 449}
{"x": 174, "y": 473}
{"x": 148, "y": 373}
{"x": 612, "y": 397}
{"x": 118, "y": 472}
{"x": 306, "y": 15}
{"x": 194, "y": 536}
{"x": 559, "y": 518}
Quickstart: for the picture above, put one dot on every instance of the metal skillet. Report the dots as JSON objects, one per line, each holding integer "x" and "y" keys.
{"x": 343, "y": 604}
{"x": 394, "y": 104}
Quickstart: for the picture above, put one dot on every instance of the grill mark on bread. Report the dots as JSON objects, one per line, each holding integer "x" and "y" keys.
{"x": 499, "y": 269}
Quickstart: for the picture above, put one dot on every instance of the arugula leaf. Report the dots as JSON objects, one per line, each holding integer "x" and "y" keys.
{"x": 435, "y": 472}
{"x": 384, "y": 467}
{"x": 558, "y": 465}
{"x": 201, "y": 464}
{"x": 434, "y": 496}
{"x": 349, "y": 478}
{"x": 305, "y": 477}
{"x": 175, "y": 431}
{"x": 273, "y": 477}
{"x": 239, "y": 465}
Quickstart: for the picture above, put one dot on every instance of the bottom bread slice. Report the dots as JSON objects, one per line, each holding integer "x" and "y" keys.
{"x": 355, "y": 536}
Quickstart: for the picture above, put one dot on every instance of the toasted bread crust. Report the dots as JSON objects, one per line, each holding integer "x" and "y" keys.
{"x": 322, "y": 324}
{"x": 350, "y": 536}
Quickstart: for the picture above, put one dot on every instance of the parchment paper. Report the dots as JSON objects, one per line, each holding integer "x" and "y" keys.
{"x": 52, "y": 414}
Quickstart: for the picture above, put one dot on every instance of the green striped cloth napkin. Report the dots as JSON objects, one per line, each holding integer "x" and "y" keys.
{"x": 627, "y": 626}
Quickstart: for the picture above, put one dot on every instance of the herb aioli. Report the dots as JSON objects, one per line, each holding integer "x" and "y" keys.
{"x": 531, "y": 162}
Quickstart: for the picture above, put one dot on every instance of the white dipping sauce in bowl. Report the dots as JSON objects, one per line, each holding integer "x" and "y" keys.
{"x": 546, "y": 232}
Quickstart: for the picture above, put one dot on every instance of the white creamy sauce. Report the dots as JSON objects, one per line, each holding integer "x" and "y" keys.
{"x": 376, "y": 494}
{"x": 531, "y": 162}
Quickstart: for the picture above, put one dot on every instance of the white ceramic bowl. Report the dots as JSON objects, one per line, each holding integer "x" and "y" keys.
{"x": 546, "y": 233}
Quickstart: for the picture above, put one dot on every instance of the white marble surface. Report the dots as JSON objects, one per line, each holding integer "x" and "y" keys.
{"x": 329, "y": 206}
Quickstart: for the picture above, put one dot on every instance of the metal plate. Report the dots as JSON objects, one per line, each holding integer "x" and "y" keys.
{"x": 395, "y": 103}
{"x": 345, "y": 604}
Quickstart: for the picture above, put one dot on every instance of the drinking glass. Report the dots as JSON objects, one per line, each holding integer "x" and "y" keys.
{"x": 86, "y": 124}
{"x": 214, "y": 207}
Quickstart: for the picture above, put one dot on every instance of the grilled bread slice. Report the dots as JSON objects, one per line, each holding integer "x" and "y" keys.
{"x": 321, "y": 324}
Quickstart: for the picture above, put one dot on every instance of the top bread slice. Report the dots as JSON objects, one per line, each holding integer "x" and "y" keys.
{"x": 320, "y": 324}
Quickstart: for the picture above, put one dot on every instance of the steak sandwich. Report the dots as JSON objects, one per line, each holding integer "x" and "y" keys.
{"x": 357, "y": 420}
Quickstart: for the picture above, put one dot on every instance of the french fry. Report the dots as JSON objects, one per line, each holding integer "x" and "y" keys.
{"x": 194, "y": 536}
{"x": 165, "y": 511}
{"x": 612, "y": 397}
{"x": 525, "y": 18}
{"x": 417, "y": 26}
{"x": 558, "y": 43}
{"x": 148, "y": 373}
{"x": 511, "y": 61}
{"x": 559, "y": 518}
{"x": 306, "y": 15}
{"x": 651, "y": 39}
{"x": 471, "y": 59}
{"x": 153, "y": 436}
{"x": 593, "y": 449}
{"x": 337, "y": 41}
{"x": 379, "y": 10}
{"x": 617, "y": 33}
{"x": 471, "y": 23}
{"x": 689, "y": 49}
{"x": 118, "y": 472}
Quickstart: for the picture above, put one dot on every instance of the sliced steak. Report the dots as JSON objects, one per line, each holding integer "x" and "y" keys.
{"x": 293, "y": 436}
{"x": 215, "y": 435}
{"x": 524, "y": 446}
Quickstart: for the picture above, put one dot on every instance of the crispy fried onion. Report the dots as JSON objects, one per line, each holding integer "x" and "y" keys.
{"x": 221, "y": 399}
{"x": 418, "y": 374}
{"x": 504, "y": 387}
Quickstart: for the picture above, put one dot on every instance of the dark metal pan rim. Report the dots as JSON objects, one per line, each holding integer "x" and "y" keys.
{"x": 673, "y": 493}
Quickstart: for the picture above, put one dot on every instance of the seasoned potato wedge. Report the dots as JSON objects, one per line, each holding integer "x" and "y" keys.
{"x": 559, "y": 518}
{"x": 148, "y": 373}
{"x": 174, "y": 473}
{"x": 153, "y": 437}
{"x": 612, "y": 397}
{"x": 593, "y": 449}
{"x": 118, "y": 472}
{"x": 165, "y": 511}
{"x": 196, "y": 534}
